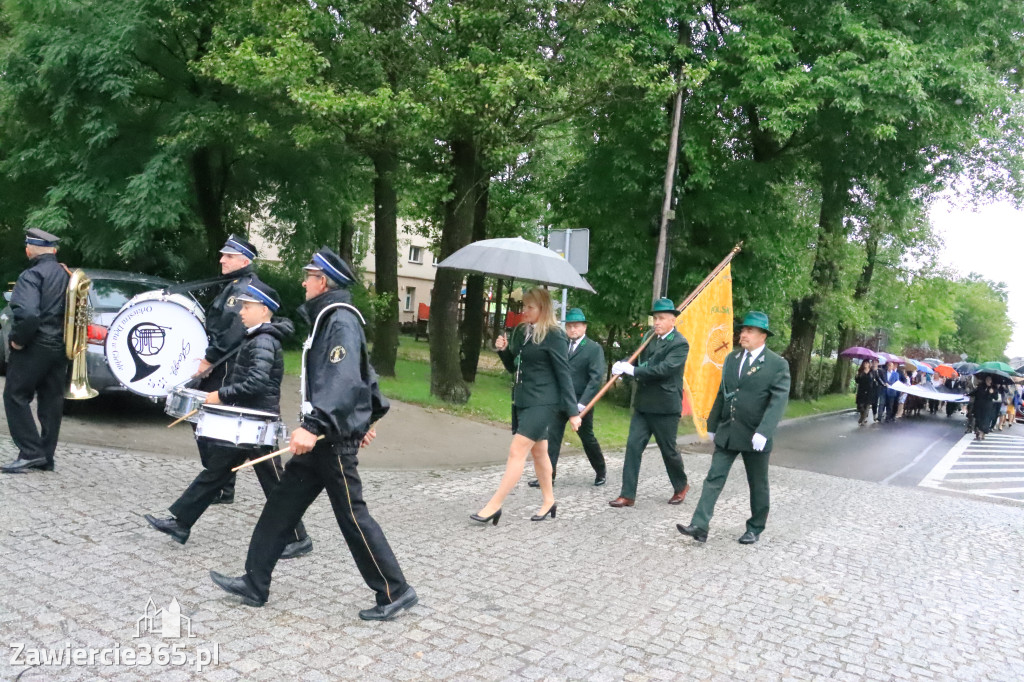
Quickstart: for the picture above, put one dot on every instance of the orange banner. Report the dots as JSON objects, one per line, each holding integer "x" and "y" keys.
{"x": 707, "y": 323}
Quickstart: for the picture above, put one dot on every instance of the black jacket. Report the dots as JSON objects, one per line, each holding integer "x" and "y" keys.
{"x": 255, "y": 377}
{"x": 37, "y": 303}
{"x": 867, "y": 388}
{"x": 223, "y": 325}
{"x": 586, "y": 366}
{"x": 341, "y": 384}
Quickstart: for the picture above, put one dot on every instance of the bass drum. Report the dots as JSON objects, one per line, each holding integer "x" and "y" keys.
{"x": 156, "y": 342}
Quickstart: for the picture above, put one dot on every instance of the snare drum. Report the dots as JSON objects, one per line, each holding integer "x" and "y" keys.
{"x": 182, "y": 401}
{"x": 156, "y": 342}
{"x": 240, "y": 425}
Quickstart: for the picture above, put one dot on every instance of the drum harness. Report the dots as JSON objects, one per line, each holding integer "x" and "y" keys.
{"x": 306, "y": 407}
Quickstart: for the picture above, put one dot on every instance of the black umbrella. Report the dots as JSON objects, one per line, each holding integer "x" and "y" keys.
{"x": 998, "y": 376}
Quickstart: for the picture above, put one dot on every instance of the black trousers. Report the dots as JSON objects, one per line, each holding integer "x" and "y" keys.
{"x": 332, "y": 466}
{"x": 221, "y": 457}
{"x": 586, "y": 433}
{"x": 35, "y": 372}
{"x": 213, "y": 382}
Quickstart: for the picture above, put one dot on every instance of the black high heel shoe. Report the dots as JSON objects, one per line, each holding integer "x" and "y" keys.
{"x": 493, "y": 518}
{"x": 551, "y": 511}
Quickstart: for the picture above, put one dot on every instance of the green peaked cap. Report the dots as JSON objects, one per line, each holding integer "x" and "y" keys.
{"x": 664, "y": 305}
{"x": 575, "y": 315}
{"x": 755, "y": 318}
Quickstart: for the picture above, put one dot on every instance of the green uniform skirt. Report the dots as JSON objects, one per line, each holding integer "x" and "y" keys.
{"x": 532, "y": 422}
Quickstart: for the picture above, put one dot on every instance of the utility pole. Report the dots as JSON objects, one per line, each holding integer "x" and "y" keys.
{"x": 660, "y": 283}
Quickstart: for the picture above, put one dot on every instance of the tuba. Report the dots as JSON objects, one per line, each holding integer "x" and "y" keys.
{"x": 76, "y": 329}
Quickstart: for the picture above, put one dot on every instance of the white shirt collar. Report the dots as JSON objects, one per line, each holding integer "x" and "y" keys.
{"x": 573, "y": 343}
{"x": 754, "y": 353}
{"x": 665, "y": 335}
{"x": 250, "y": 330}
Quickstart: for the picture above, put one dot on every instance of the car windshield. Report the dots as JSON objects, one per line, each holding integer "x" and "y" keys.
{"x": 111, "y": 294}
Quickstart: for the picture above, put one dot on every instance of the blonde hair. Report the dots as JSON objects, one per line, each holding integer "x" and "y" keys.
{"x": 546, "y": 318}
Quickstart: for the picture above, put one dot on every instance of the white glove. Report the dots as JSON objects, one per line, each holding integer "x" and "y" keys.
{"x": 617, "y": 368}
{"x": 623, "y": 368}
{"x": 759, "y": 441}
{"x": 580, "y": 407}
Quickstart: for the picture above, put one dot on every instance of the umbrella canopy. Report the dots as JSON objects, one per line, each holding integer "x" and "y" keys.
{"x": 947, "y": 371}
{"x": 933, "y": 361}
{"x": 859, "y": 352}
{"x": 965, "y": 367}
{"x": 889, "y": 357}
{"x": 923, "y": 367}
{"x": 998, "y": 366}
{"x": 518, "y": 259}
{"x": 998, "y": 376}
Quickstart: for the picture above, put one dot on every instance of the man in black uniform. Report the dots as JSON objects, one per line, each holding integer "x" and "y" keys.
{"x": 340, "y": 403}
{"x": 225, "y": 331}
{"x": 586, "y": 365}
{"x": 253, "y": 382}
{"x": 38, "y": 362}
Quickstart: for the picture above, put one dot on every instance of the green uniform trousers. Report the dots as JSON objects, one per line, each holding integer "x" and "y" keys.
{"x": 756, "y": 464}
{"x": 664, "y": 428}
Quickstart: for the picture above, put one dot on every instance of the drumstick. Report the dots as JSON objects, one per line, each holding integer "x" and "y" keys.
{"x": 181, "y": 419}
{"x": 264, "y": 458}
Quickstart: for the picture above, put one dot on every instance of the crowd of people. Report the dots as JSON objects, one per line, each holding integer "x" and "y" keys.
{"x": 992, "y": 403}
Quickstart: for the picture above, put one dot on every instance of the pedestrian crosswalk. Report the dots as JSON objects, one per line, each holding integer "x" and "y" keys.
{"x": 993, "y": 467}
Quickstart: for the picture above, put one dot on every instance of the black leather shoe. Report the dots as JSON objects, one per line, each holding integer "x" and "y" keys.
{"x": 698, "y": 534}
{"x": 240, "y": 587}
{"x": 493, "y": 518}
{"x": 223, "y": 499}
{"x": 534, "y": 483}
{"x": 389, "y": 611}
{"x": 552, "y": 510}
{"x": 748, "y": 538}
{"x": 600, "y": 479}
{"x": 20, "y": 466}
{"x": 297, "y": 548}
{"x": 170, "y": 526}
{"x": 48, "y": 467}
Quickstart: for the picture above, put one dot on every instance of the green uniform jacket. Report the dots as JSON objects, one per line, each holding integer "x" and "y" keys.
{"x": 752, "y": 404}
{"x": 543, "y": 371}
{"x": 659, "y": 375}
{"x": 587, "y": 367}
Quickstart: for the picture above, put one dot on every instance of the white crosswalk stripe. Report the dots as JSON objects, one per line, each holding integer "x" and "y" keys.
{"x": 971, "y": 466}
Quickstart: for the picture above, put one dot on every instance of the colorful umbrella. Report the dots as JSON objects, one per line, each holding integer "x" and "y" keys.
{"x": 924, "y": 367}
{"x": 859, "y": 352}
{"x": 998, "y": 366}
{"x": 947, "y": 372}
{"x": 889, "y": 357}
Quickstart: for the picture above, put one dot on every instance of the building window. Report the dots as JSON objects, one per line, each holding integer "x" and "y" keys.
{"x": 410, "y": 298}
{"x": 415, "y": 254}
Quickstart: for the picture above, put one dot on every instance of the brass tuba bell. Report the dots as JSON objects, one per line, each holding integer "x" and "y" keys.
{"x": 77, "y": 316}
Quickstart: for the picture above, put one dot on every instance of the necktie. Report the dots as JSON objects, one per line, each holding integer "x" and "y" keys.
{"x": 746, "y": 364}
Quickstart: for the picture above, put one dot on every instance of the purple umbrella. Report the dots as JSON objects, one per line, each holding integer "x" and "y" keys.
{"x": 860, "y": 353}
{"x": 889, "y": 357}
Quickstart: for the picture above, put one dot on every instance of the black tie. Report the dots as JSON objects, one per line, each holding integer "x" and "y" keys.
{"x": 746, "y": 364}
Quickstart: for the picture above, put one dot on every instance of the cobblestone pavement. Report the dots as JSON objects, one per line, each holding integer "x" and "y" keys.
{"x": 851, "y": 580}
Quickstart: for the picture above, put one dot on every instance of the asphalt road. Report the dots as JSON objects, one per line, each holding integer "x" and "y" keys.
{"x": 901, "y": 453}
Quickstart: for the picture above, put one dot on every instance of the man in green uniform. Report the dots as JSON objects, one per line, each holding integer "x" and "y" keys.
{"x": 751, "y": 400}
{"x": 586, "y": 366}
{"x": 658, "y": 404}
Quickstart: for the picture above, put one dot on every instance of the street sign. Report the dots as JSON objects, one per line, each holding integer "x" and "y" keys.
{"x": 577, "y": 251}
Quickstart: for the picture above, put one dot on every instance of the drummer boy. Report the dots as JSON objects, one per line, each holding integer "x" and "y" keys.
{"x": 254, "y": 382}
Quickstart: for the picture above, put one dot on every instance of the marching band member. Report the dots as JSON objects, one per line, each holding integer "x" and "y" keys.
{"x": 657, "y": 406}
{"x": 340, "y": 403}
{"x": 538, "y": 356}
{"x": 254, "y": 381}
{"x": 38, "y": 362}
{"x": 225, "y": 331}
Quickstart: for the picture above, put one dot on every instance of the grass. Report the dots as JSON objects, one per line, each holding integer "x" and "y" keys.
{"x": 490, "y": 400}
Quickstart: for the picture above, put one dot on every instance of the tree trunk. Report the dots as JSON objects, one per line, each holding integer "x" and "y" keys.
{"x": 825, "y": 273}
{"x": 208, "y": 184}
{"x": 346, "y": 237}
{"x": 473, "y": 320}
{"x": 445, "y": 371}
{"x": 848, "y": 335}
{"x": 385, "y": 247}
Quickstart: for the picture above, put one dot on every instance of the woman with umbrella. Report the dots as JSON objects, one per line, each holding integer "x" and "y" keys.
{"x": 538, "y": 356}
{"x": 867, "y": 390}
{"x": 987, "y": 399}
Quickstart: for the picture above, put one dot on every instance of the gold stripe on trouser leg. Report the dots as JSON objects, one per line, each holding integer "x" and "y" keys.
{"x": 353, "y": 514}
